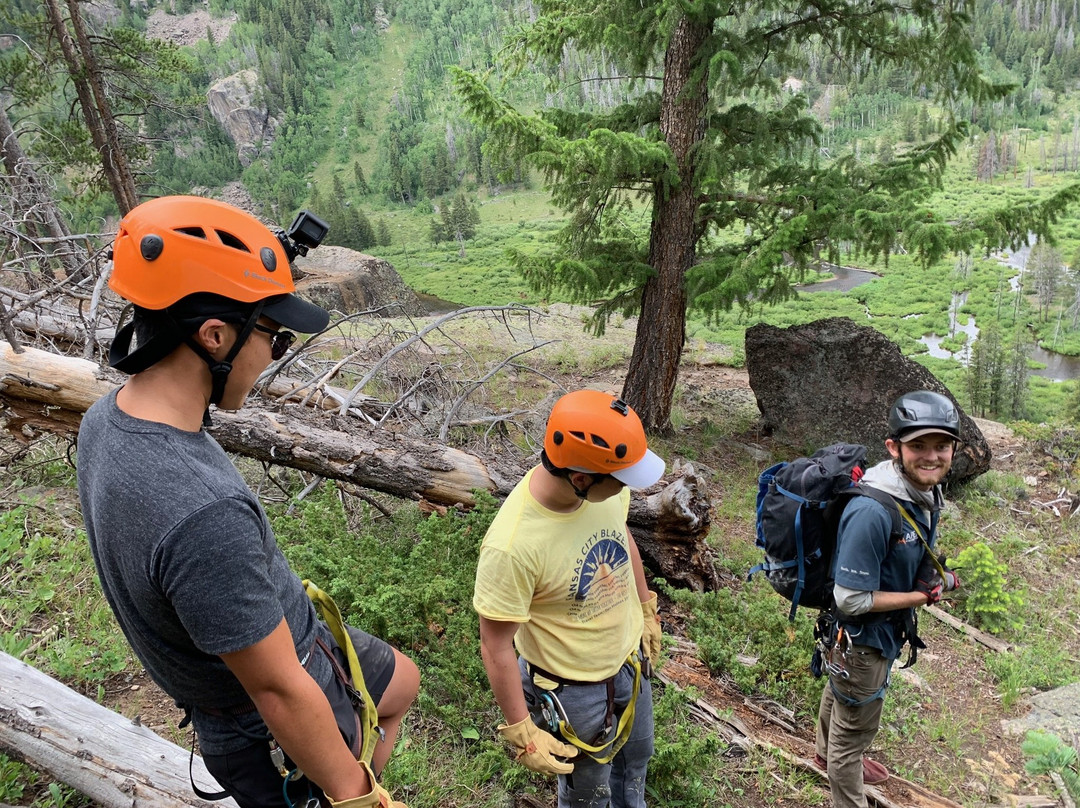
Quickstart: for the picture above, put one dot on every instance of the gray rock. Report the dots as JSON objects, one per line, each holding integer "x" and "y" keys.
{"x": 1056, "y": 711}
{"x": 834, "y": 380}
{"x": 348, "y": 281}
{"x": 234, "y": 102}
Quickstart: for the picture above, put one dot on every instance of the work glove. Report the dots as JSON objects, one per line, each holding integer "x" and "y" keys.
{"x": 652, "y": 636}
{"x": 952, "y": 579}
{"x": 928, "y": 580}
{"x": 536, "y": 749}
{"x": 378, "y": 797}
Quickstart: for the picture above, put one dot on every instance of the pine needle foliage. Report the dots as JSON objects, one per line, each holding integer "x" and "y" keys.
{"x": 708, "y": 186}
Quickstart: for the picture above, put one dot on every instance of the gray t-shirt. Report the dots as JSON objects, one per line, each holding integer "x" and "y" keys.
{"x": 188, "y": 563}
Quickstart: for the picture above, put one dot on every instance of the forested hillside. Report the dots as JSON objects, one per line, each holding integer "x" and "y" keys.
{"x": 355, "y": 113}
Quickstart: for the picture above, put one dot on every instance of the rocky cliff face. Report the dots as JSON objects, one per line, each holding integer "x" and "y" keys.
{"x": 347, "y": 281}
{"x": 234, "y": 103}
{"x": 834, "y": 380}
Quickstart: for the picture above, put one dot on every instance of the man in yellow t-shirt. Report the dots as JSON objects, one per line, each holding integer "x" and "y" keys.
{"x": 560, "y": 580}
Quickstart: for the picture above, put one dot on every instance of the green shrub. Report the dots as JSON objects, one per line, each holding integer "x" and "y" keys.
{"x": 989, "y": 605}
{"x": 1046, "y": 752}
{"x": 746, "y": 636}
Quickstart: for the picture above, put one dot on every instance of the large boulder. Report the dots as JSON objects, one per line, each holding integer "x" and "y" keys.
{"x": 348, "y": 281}
{"x": 833, "y": 380}
{"x": 234, "y": 102}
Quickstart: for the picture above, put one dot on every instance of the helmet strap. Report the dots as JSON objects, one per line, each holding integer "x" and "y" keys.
{"x": 551, "y": 468}
{"x": 220, "y": 370}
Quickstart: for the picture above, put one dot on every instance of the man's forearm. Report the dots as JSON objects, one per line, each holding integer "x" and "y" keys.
{"x": 890, "y": 601}
{"x": 505, "y": 678}
{"x": 303, "y": 723}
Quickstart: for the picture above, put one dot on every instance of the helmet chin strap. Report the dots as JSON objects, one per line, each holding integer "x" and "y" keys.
{"x": 220, "y": 370}
{"x": 551, "y": 468}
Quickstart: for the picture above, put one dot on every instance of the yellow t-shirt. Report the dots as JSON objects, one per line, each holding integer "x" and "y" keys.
{"x": 567, "y": 578}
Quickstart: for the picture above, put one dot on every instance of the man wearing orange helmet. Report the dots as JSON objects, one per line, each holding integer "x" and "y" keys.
{"x": 560, "y": 579}
{"x": 186, "y": 556}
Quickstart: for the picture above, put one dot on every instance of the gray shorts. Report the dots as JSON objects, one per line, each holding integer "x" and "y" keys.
{"x": 248, "y": 775}
{"x": 376, "y": 661}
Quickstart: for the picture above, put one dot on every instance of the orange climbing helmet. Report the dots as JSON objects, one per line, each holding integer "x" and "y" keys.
{"x": 175, "y": 246}
{"x": 596, "y": 433}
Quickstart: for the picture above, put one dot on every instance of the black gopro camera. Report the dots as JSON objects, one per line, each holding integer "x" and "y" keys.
{"x": 306, "y": 231}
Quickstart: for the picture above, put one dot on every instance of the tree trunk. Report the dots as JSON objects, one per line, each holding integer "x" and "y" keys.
{"x": 654, "y": 364}
{"x": 115, "y": 761}
{"x": 81, "y": 69}
{"x": 41, "y": 390}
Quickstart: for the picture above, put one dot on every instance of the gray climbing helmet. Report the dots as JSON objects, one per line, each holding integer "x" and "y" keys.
{"x": 922, "y": 412}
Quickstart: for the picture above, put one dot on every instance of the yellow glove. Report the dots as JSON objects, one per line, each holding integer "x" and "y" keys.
{"x": 651, "y": 638}
{"x": 537, "y": 749}
{"x": 378, "y": 797}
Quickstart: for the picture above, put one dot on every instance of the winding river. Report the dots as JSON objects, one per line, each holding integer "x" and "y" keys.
{"x": 1059, "y": 367}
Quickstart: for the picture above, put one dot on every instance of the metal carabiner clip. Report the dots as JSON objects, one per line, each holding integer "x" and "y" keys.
{"x": 552, "y": 710}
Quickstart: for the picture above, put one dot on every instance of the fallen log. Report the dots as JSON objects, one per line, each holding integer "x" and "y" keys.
{"x": 109, "y": 758}
{"x": 41, "y": 390}
{"x": 991, "y": 642}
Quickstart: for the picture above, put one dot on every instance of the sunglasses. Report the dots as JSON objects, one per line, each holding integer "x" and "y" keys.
{"x": 280, "y": 341}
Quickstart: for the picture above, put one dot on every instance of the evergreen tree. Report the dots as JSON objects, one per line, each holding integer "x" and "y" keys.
{"x": 365, "y": 233}
{"x": 382, "y": 233}
{"x": 361, "y": 181}
{"x": 464, "y": 218}
{"x": 716, "y": 146}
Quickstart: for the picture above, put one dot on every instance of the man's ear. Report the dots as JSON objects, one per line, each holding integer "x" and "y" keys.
{"x": 213, "y": 335}
{"x": 580, "y": 478}
{"x": 894, "y": 448}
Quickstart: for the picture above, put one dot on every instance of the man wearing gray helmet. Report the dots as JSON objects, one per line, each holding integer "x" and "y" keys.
{"x": 879, "y": 582}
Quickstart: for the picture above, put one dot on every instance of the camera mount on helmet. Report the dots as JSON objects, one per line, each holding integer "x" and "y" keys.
{"x": 306, "y": 232}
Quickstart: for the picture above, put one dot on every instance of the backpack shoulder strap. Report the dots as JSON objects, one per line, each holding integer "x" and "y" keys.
{"x": 885, "y": 500}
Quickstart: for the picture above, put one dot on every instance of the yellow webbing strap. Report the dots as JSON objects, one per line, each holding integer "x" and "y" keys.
{"x": 622, "y": 733}
{"x": 918, "y": 532}
{"x": 369, "y": 715}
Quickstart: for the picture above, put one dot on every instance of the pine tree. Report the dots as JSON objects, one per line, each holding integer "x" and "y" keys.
{"x": 707, "y": 136}
{"x": 365, "y": 233}
{"x": 361, "y": 181}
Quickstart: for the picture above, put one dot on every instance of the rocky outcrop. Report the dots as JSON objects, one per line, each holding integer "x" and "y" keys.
{"x": 234, "y": 103}
{"x": 345, "y": 280}
{"x": 188, "y": 29}
{"x": 833, "y": 380}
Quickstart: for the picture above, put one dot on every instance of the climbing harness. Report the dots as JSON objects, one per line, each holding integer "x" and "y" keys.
{"x": 363, "y": 707}
{"x": 370, "y": 731}
{"x": 831, "y": 654}
{"x": 611, "y": 737}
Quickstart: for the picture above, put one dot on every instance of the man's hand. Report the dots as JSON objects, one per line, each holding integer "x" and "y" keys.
{"x": 928, "y": 580}
{"x": 952, "y": 580}
{"x": 377, "y": 798}
{"x": 652, "y": 636}
{"x": 536, "y": 749}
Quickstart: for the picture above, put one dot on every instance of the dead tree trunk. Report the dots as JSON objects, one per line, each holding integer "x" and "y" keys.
{"x": 40, "y": 390}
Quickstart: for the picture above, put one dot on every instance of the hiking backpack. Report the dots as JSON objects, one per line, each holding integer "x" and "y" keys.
{"x": 799, "y": 504}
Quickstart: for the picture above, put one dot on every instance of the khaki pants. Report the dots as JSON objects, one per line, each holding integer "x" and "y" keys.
{"x": 844, "y": 731}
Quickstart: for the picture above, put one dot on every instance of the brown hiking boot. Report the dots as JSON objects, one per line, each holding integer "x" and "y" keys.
{"x": 873, "y": 772}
